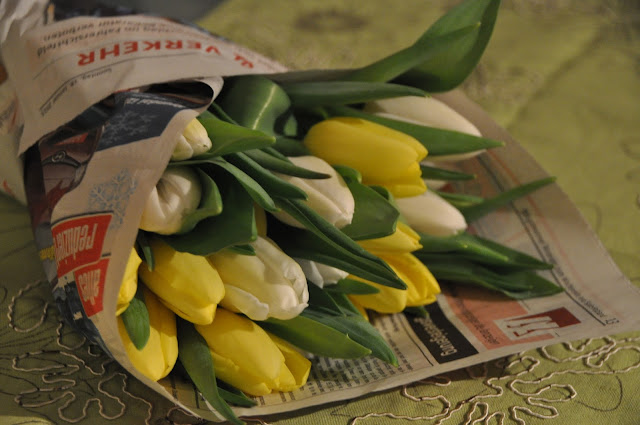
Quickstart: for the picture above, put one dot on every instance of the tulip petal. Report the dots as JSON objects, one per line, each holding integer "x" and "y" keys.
{"x": 129, "y": 283}
{"x": 429, "y": 213}
{"x": 244, "y": 355}
{"x": 271, "y": 278}
{"x": 184, "y": 282}
{"x": 159, "y": 355}
{"x": 404, "y": 239}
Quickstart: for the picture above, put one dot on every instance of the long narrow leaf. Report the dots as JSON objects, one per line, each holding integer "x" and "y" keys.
{"x": 335, "y": 246}
{"x": 228, "y": 138}
{"x": 271, "y": 183}
{"x": 315, "y": 337}
{"x": 450, "y": 67}
{"x": 435, "y": 173}
{"x": 195, "y": 357}
{"x": 321, "y": 93}
{"x": 136, "y": 320}
{"x": 517, "y": 285}
{"x": 474, "y": 212}
{"x": 210, "y": 203}
{"x": 404, "y": 60}
{"x": 283, "y": 166}
{"x": 477, "y": 249}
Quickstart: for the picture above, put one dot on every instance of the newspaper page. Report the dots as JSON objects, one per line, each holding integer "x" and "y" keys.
{"x": 85, "y": 236}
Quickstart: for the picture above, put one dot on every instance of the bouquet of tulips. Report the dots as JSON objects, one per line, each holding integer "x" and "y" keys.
{"x": 298, "y": 206}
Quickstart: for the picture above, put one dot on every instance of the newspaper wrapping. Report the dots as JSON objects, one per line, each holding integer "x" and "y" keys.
{"x": 94, "y": 146}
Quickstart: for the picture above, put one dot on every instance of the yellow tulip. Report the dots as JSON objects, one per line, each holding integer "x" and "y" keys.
{"x": 159, "y": 355}
{"x": 395, "y": 250}
{"x": 383, "y": 156}
{"x": 422, "y": 287}
{"x": 404, "y": 239}
{"x": 250, "y": 359}
{"x": 129, "y": 283}
{"x": 188, "y": 284}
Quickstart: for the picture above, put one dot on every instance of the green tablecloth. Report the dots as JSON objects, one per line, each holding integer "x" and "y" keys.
{"x": 561, "y": 76}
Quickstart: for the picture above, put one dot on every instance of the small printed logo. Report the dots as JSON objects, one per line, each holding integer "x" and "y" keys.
{"x": 90, "y": 282}
{"x": 78, "y": 241}
{"x": 544, "y": 323}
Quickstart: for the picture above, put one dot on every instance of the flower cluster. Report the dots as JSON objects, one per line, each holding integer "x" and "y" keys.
{"x": 292, "y": 212}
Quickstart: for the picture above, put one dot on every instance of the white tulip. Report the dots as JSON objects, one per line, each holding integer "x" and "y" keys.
{"x": 321, "y": 274}
{"x": 330, "y": 198}
{"x": 268, "y": 284}
{"x": 426, "y": 111}
{"x": 176, "y": 195}
{"x": 193, "y": 141}
{"x": 430, "y": 214}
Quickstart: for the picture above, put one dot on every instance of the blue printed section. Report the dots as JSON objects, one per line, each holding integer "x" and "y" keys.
{"x": 68, "y": 300}
{"x": 113, "y": 195}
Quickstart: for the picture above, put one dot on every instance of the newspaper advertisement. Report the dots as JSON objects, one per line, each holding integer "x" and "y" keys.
{"x": 85, "y": 214}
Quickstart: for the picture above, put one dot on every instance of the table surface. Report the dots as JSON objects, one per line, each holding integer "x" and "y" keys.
{"x": 561, "y": 76}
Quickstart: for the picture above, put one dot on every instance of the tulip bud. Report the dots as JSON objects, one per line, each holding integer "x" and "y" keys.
{"x": 422, "y": 287}
{"x": 188, "y": 284}
{"x": 395, "y": 250}
{"x": 159, "y": 355}
{"x": 330, "y": 198}
{"x": 383, "y": 156}
{"x": 320, "y": 274}
{"x": 250, "y": 359}
{"x": 404, "y": 239}
{"x": 426, "y": 111}
{"x": 268, "y": 284}
{"x": 429, "y": 213}
{"x": 176, "y": 195}
{"x": 193, "y": 141}
{"x": 129, "y": 283}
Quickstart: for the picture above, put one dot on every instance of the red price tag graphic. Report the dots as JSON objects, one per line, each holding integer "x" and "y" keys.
{"x": 90, "y": 282}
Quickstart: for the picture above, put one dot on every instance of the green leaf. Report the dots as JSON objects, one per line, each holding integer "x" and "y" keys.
{"x": 373, "y": 217}
{"x": 437, "y": 141}
{"x": 243, "y": 249}
{"x": 358, "y": 329}
{"x": 142, "y": 240}
{"x": 322, "y": 301}
{"x": 416, "y": 311}
{"x": 351, "y": 286}
{"x": 233, "y": 395}
{"x": 315, "y": 337}
{"x": 234, "y": 226}
{"x": 210, "y": 203}
{"x": 255, "y": 102}
{"x": 290, "y": 147}
{"x": 321, "y": 93}
{"x": 476, "y": 249}
{"x": 517, "y": 285}
{"x": 228, "y": 138}
{"x": 451, "y": 66}
{"x": 271, "y": 183}
{"x": 196, "y": 359}
{"x": 322, "y": 242}
{"x": 252, "y": 187}
{"x": 348, "y": 173}
{"x": 435, "y": 173}
{"x": 136, "y": 320}
{"x": 404, "y": 60}
{"x": 283, "y": 166}
{"x": 476, "y": 211}
{"x": 460, "y": 200}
